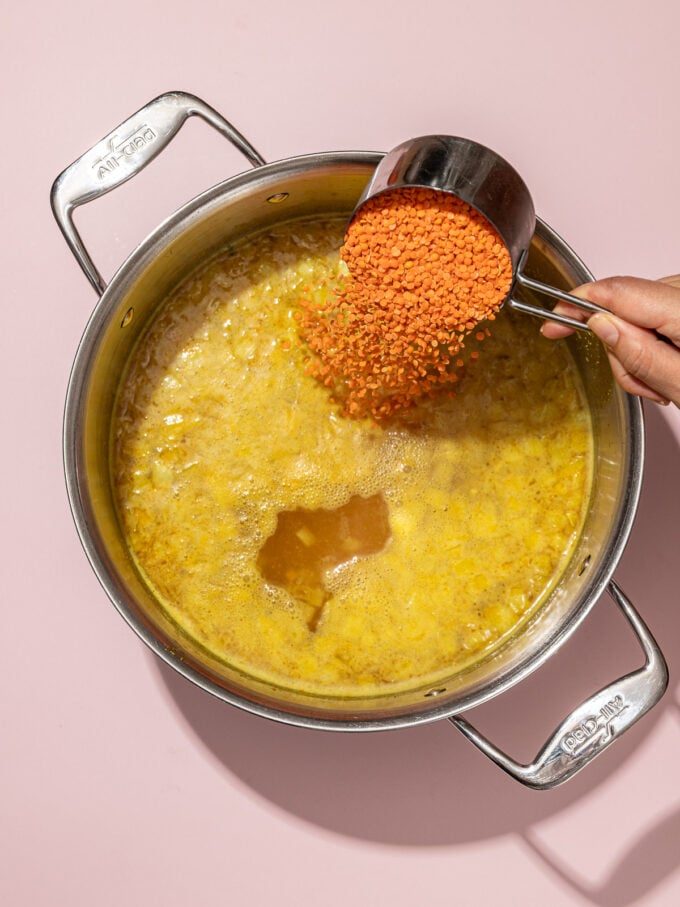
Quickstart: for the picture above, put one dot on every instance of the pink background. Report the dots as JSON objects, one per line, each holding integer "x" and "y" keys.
{"x": 119, "y": 782}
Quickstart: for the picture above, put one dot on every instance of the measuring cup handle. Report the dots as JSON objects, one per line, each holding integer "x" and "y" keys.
{"x": 527, "y": 308}
{"x": 524, "y": 282}
{"x": 124, "y": 152}
{"x": 590, "y": 308}
{"x": 596, "y": 723}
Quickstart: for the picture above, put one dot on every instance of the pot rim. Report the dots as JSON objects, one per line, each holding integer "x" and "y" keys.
{"x": 145, "y": 251}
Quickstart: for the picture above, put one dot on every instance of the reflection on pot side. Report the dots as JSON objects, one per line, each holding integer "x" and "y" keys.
{"x": 307, "y": 543}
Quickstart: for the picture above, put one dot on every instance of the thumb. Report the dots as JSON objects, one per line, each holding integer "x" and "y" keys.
{"x": 641, "y": 363}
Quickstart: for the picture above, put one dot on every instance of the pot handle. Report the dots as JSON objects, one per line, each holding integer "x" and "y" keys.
{"x": 596, "y": 723}
{"x": 123, "y": 153}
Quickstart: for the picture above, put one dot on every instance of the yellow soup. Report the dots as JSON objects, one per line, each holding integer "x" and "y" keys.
{"x": 331, "y": 555}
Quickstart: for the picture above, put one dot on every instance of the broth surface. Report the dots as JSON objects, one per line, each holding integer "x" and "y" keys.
{"x": 331, "y": 555}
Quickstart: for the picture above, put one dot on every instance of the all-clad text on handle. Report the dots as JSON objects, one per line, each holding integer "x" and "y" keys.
{"x": 593, "y": 725}
{"x": 124, "y": 152}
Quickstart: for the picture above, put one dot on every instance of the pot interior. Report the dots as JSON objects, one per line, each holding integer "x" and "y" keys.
{"x": 322, "y": 185}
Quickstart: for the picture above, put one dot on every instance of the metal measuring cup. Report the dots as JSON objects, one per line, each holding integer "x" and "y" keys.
{"x": 487, "y": 182}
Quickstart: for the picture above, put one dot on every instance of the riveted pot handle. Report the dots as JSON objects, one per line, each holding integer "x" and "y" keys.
{"x": 596, "y": 723}
{"x": 124, "y": 152}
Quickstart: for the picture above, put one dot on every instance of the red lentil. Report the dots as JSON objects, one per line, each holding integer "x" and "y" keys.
{"x": 425, "y": 269}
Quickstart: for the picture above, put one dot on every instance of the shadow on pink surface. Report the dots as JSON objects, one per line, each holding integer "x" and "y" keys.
{"x": 428, "y": 786}
{"x": 652, "y": 858}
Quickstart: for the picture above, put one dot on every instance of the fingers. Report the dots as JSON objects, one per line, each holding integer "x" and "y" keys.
{"x": 653, "y": 304}
{"x": 554, "y": 331}
{"x": 649, "y": 304}
{"x": 641, "y": 363}
{"x": 673, "y": 280}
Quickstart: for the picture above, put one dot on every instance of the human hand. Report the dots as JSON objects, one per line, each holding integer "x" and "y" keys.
{"x": 642, "y": 364}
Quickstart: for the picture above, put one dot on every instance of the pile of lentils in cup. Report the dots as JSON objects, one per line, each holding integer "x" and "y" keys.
{"x": 425, "y": 269}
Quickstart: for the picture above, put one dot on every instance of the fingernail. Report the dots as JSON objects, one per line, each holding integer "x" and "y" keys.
{"x": 604, "y": 328}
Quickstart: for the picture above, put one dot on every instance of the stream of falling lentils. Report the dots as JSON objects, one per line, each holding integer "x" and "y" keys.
{"x": 425, "y": 269}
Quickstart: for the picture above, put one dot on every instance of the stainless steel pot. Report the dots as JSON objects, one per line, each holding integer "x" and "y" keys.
{"x": 302, "y": 187}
